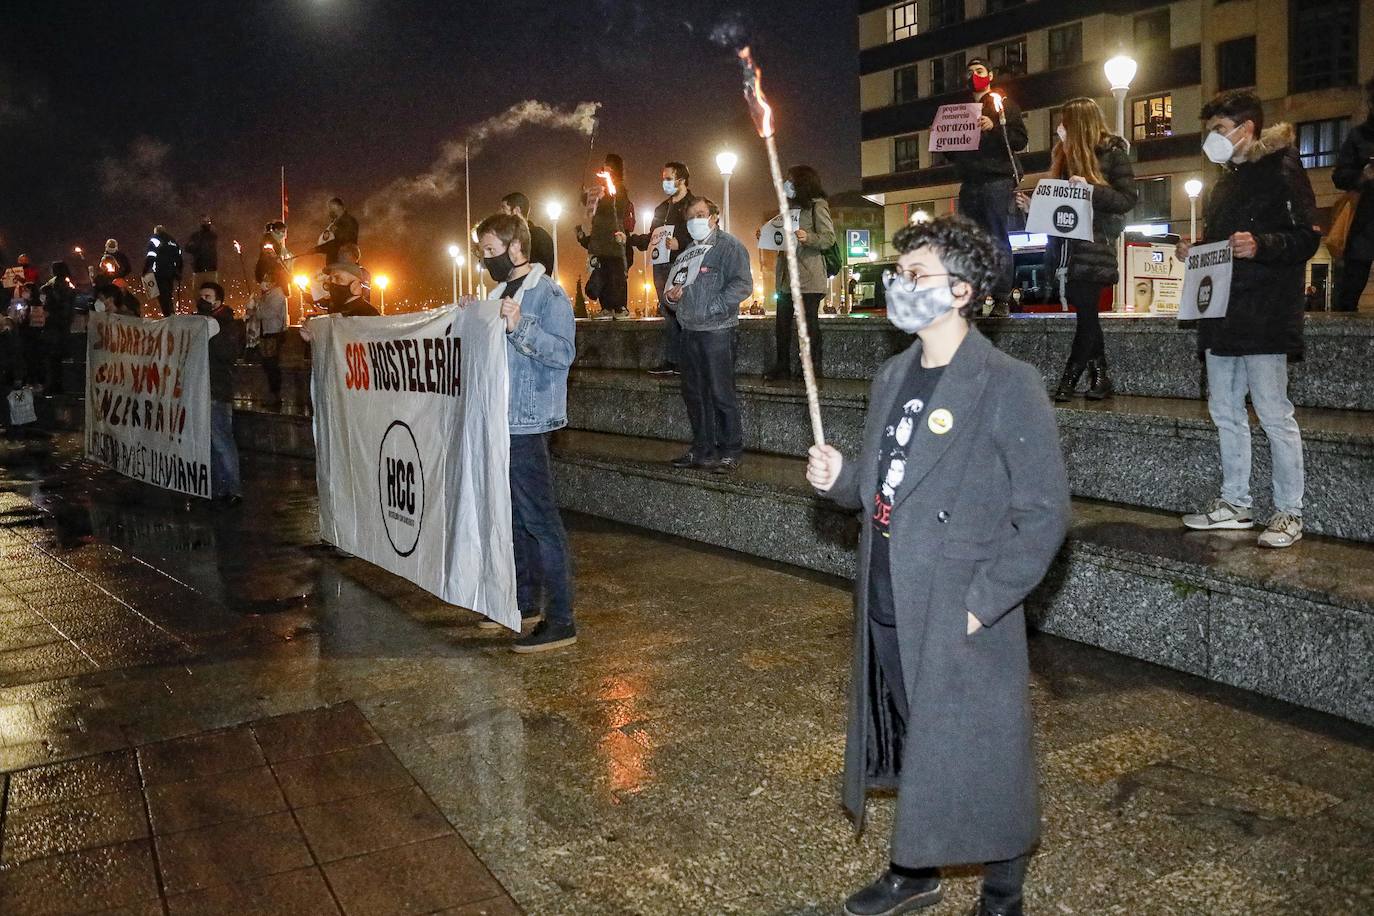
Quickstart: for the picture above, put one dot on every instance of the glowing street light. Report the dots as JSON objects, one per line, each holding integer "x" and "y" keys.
{"x": 726, "y": 162}
{"x": 920, "y": 216}
{"x": 1192, "y": 187}
{"x": 1120, "y": 71}
{"x": 553, "y": 210}
{"x": 381, "y": 281}
{"x": 455, "y": 254}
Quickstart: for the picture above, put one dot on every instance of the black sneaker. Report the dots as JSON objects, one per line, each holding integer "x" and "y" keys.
{"x": 547, "y": 635}
{"x": 776, "y": 374}
{"x": 689, "y": 459}
{"x": 663, "y": 369}
{"x": 230, "y": 501}
{"x": 526, "y": 618}
{"x": 726, "y": 466}
{"x": 892, "y": 894}
{"x": 983, "y": 908}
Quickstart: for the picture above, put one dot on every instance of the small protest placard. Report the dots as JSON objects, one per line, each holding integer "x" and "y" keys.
{"x": 956, "y": 128}
{"x": 688, "y": 265}
{"x": 774, "y": 235}
{"x": 661, "y": 253}
{"x": 1062, "y": 208}
{"x": 1206, "y": 282}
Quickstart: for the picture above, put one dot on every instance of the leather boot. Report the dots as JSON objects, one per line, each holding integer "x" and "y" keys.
{"x": 1099, "y": 382}
{"x": 1072, "y": 373}
{"x": 893, "y": 893}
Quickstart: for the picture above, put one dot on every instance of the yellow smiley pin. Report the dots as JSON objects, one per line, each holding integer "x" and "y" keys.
{"x": 941, "y": 421}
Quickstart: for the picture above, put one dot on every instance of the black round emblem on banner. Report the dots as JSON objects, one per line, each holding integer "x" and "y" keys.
{"x": 401, "y": 488}
{"x": 1065, "y": 218}
{"x": 1204, "y": 294}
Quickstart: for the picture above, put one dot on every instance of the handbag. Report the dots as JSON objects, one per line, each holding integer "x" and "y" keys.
{"x": 1343, "y": 218}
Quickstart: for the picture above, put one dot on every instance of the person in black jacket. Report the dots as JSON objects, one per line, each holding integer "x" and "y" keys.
{"x": 1354, "y": 171}
{"x": 225, "y": 347}
{"x": 541, "y": 243}
{"x": 203, "y": 247}
{"x": 1088, "y": 153}
{"x": 342, "y": 230}
{"x": 164, "y": 262}
{"x": 58, "y": 297}
{"x": 989, "y": 174}
{"x": 1263, "y": 204}
{"x": 609, "y": 216}
{"x": 669, "y": 229}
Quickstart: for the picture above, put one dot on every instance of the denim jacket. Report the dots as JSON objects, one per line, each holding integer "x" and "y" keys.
{"x": 538, "y": 355}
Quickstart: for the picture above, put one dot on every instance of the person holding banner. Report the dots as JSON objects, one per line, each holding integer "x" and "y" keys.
{"x": 706, "y": 286}
{"x": 815, "y": 231}
{"x": 666, "y": 239}
{"x": 939, "y": 687}
{"x": 540, "y": 347}
{"x": 1088, "y": 153}
{"x": 224, "y": 350}
{"x": 988, "y": 175}
{"x": 1264, "y": 206}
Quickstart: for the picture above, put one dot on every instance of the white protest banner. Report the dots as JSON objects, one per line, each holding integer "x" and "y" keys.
{"x": 773, "y": 237}
{"x": 1062, "y": 208}
{"x": 956, "y": 127}
{"x": 413, "y": 449}
{"x": 21, "y": 407}
{"x": 1206, "y": 282}
{"x": 661, "y": 252}
{"x": 148, "y": 399}
{"x": 688, "y": 265}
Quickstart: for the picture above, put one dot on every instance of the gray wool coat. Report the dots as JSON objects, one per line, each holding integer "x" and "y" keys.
{"x": 979, "y": 516}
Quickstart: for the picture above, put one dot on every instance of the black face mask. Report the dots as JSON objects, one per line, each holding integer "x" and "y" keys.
{"x": 501, "y": 266}
{"x": 340, "y": 294}
{"x": 205, "y": 306}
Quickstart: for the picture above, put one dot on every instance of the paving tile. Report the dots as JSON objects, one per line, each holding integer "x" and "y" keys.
{"x": 24, "y": 637}
{"x": 343, "y": 774}
{"x": 199, "y": 755}
{"x": 73, "y": 779}
{"x": 68, "y": 826}
{"x": 231, "y": 852}
{"x": 368, "y": 823}
{"x": 497, "y": 906}
{"x": 42, "y": 663}
{"x": 297, "y": 893}
{"x": 419, "y": 878}
{"x": 192, "y": 803}
{"x": 315, "y": 731}
{"x": 108, "y": 877}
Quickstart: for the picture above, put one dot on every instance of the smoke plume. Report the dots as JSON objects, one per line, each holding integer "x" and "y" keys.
{"x": 392, "y": 205}
{"x": 139, "y": 178}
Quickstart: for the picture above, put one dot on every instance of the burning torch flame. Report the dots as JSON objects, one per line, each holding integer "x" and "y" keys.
{"x": 238, "y": 249}
{"x": 610, "y": 182}
{"x": 759, "y": 108}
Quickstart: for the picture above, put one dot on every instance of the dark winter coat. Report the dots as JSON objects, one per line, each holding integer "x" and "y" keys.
{"x": 613, "y": 214}
{"x": 224, "y": 350}
{"x": 1269, "y": 196}
{"x": 978, "y": 518}
{"x": 990, "y": 161}
{"x": 203, "y": 247}
{"x": 1356, "y": 152}
{"x": 669, "y": 213}
{"x": 345, "y": 232}
{"x": 1096, "y": 261}
{"x": 163, "y": 259}
{"x": 541, "y": 248}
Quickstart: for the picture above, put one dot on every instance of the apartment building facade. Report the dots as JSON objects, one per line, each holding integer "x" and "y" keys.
{"x": 1307, "y": 61}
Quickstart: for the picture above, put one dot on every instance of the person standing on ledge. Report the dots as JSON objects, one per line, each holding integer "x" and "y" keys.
{"x": 815, "y": 234}
{"x": 1264, "y": 205}
{"x": 988, "y": 175}
{"x": 951, "y": 546}
{"x": 669, "y": 225}
{"x": 1354, "y": 171}
{"x": 541, "y": 243}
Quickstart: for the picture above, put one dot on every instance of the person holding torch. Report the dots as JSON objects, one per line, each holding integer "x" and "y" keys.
{"x": 950, "y": 546}
{"x": 610, "y": 217}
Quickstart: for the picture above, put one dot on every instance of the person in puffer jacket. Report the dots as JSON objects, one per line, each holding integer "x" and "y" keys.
{"x": 1088, "y": 153}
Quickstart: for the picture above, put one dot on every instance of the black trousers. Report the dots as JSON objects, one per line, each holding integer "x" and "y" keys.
{"x": 59, "y": 334}
{"x": 1354, "y": 278}
{"x": 1003, "y": 880}
{"x": 166, "y": 294}
{"x": 1088, "y": 342}
{"x": 787, "y": 316}
{"x": 708, "y": 389}
{"x": 615, "y": 289}
{"x": 988, "y": 203}
{"x": 271, "y": 361}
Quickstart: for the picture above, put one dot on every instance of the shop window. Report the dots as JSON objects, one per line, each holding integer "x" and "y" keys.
{"x": 1322, "y": 39}
{"x": 1008, "y": 58}
{"x": 902, "y": 21}
{"x": 1066, "y": 46}
{"x": 903, "y": 85}
{"x": 948, "y": 74}
{"x": 1152, "y": 118}
{"x": 946, "y": 12}
{"x": 1236, "y": 63}
{"x": 906, "y": 154}
{"x": 1154, "y": 200}
{"x": 1320, "y": 141}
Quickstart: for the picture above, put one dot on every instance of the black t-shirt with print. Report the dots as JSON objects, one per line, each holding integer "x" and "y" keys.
{"x": 907, "y": 415}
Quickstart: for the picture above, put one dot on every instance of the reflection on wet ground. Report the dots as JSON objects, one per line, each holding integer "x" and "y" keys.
{"x": 683, "y": 758}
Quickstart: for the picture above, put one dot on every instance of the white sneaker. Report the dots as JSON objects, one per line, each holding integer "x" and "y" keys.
{"x": 1283, "y": 530}
{"x": 1221, "y": 515}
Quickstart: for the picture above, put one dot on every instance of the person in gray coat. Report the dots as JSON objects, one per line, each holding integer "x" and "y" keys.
{"x": 706, "y": 284}
{"x": 815, "y": 235}
{"x": 939, "y": 697}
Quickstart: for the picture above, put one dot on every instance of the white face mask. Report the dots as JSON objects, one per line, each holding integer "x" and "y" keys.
{"x": 698, "y": 228}
{"x": 911, "y": 307}
{"x": 669, "y": 186}
{"x": 789, "y": 189}
{"x": 1218, "y": 147}
{"x": 1063, "y": 134}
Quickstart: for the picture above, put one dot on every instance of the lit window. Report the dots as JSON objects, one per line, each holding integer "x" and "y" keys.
{"x": 1320, "y": 141}
{"x": 902, "y": 18}
{"x": 1153, "y": 117}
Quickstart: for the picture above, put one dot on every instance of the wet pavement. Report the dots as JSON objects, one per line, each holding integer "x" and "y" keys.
{"x": 206, "y": 711}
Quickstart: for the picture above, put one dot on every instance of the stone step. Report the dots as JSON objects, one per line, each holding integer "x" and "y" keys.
{"x": 1295, "y": 624}
{"x": 1150, "y": 357}
{"x": 1158, "y": 453}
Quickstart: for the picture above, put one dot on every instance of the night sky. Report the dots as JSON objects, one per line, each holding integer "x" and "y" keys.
{"x": 116, "y": 116}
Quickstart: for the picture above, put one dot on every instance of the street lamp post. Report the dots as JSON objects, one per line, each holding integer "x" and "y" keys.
{"x": 553, "y": 210}
{"x": 382, "y": 282}
{"x": 1193, "y": 187}
{"x": 726, "y": 162}
{"x": 1120, "y": 71}
{"x": 647, "y": 214}
{"x": 302, "y": 281}
{"x": 455, "y": 255}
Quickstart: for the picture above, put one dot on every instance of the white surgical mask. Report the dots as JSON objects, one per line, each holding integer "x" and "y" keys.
{"x": 698, "y": 228}
{"x": 911, "y": 307}
{"x": 669, "y": 186}
{"x": 1218, "y": 147}
{"x": 1063, "y": 134}
{"x": 789, "y": 189}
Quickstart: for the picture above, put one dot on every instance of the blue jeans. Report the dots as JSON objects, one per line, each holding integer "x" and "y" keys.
{"x": 1265, "y": 377}
{"x": 708, "y": 389}
{"x": 988, "y": 203}
{"x": 224, "y": 451}
{"x": 541, "y": 544}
